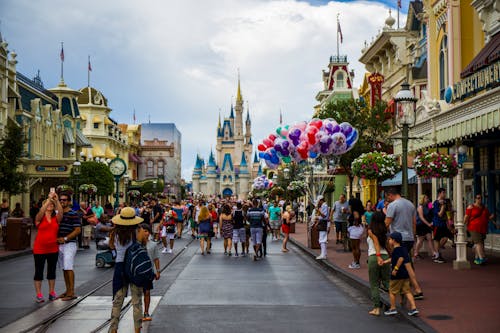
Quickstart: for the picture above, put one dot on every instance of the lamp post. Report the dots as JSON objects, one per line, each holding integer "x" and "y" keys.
{"x": 126, "y": 180}
{"x": 405, "y": 117}
{"x": 76, "y": 173}
{"x": 461, "y": 261}
{"x": 155, "y": 182}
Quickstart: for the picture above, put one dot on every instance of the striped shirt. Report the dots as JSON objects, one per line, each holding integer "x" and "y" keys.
{"x": 70, "y": 221}
{"x": 256, "y": 217}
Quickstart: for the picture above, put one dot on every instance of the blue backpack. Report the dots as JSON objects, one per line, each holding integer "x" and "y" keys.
{"x": 138, "y": 266}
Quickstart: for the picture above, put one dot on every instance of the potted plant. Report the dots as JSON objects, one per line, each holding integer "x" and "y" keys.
{"x": 375, "y": 166}
{"x": 435, "y": 165}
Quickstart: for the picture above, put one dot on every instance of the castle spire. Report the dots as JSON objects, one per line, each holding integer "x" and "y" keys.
{"x": 239, "y": 97}
{"x": 218, "y": 126}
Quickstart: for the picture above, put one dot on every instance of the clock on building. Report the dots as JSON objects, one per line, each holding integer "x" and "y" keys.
{"x": 117, "y": 167}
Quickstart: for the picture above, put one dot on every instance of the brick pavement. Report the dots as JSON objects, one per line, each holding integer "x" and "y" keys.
{"x": 454, "y": 301}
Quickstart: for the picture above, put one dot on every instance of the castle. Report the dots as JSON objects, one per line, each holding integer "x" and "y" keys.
{"x": 230, "y": 172}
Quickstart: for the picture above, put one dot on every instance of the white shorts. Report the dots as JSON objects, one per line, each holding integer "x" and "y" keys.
{"x": 168, "y": 235}
{"x": 239, "y": 235}
{"x": 156, "y": 228}
{"x": 323, "y": 237}
{"x": 87, "y": 231}
{"x": 256, "y": 234}
{"x": 67, "y": 254}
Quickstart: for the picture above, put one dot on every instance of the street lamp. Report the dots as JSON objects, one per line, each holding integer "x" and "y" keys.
{"x": 405, "y": 117}
{"x": 76, "y": 172}
{"x": 126, "y": 180}
{"x": 155, "y": 182}
{"x": 286, "y": 173}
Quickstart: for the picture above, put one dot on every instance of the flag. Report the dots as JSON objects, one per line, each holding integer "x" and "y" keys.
{"x": 339, "y": 31}
{"x": 90, "y": 66}
{"x": 134, "y": 116}
{"x": 399, "y": 3}
{"x": 62, "y": 53}
{"x": 281, "y": 118}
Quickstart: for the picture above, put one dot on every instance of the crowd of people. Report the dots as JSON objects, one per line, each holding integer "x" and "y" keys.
{"x": 395, "y": 231}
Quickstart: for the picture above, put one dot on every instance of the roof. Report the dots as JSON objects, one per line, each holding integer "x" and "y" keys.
{"x": 92, "y": 96}
{"x": 82, "y": 140}
{"x": 489, "y": 54}
{"x": 228, "y": 163}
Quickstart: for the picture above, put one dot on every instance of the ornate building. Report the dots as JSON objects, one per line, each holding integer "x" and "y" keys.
{"x": 231, "y": 170}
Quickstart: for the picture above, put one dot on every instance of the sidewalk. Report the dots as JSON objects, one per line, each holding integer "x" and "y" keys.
{"x": 454, "y": 300}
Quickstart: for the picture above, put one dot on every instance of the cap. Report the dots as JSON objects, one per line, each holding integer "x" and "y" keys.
{"x": 396, "y": 236}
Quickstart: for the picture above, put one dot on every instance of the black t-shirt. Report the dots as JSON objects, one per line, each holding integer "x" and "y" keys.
{"x": 238, "y": 219}
{"x": 397, "y": 253}
{"x": 146, "y": 215}
{"x": 157, "y": 210}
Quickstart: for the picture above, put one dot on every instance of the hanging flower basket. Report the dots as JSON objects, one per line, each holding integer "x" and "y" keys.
{"x": 64, "y": 189}
{"x": 297, "y": 186}
{"x": 134, "y": 194}
{"x": 375, "y": 165}
{"x": 435, "y": 165}
{"x": 89, "y": 189}
{"x": 276, "y": 191}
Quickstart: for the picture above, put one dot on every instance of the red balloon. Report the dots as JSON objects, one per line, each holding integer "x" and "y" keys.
{"x": 268, "y": 143}
{"x": 272, "y": 137}
{"x": 316, "y": 123}
{"x": 261, "y": 147}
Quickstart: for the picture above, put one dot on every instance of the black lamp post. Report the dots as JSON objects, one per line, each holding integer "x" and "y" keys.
{"x": 405, "y": 117}
{"x": 76, "y": 173}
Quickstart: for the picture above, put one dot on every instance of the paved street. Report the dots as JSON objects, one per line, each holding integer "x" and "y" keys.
{"x": 211, "y": 293}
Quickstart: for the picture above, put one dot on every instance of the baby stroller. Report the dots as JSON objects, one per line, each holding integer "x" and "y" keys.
{"x": 105, "y": 257}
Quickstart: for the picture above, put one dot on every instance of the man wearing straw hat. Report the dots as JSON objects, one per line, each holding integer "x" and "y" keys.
{"x": 123, "y": 236}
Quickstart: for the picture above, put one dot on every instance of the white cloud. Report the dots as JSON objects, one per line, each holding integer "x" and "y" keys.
{"x": 177, "y": 61}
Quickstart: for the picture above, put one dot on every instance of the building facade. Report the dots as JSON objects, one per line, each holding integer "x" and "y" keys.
{"x": 231, "y": 170}
{"x": 160, "y": 155}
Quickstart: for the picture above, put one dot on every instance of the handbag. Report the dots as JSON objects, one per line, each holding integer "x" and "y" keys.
{"x": 322, "y": 225}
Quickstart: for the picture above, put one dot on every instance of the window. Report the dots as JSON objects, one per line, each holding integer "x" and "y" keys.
{"x": 149, "y": 168}
{"x": 443, "y": 66}
{"x": 340, "y": 82}
{"x": 160, "y": 168}
{"x": 96, "y": 125}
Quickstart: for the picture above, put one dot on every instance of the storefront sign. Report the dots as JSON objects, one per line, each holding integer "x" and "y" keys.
{"x": 485, "y": 78}
{"x": 51, "y": 168}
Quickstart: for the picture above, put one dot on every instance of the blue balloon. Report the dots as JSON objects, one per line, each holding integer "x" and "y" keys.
{"x": 352, "y": 138}
{"x": 313, "y": 154}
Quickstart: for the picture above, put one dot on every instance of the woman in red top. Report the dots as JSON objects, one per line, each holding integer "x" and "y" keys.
{"x": 476, "y": 219}
{"x": 46, "y": 247}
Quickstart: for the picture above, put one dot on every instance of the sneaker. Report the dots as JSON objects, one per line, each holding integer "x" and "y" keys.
{"x": 353, "y": 265}
{"x": 419, "y": 295}
{"x": 52, "y": 297}
{"x": 320, "y": 257}
{"x": 236, "y": 254}
{"x": 413, "y": 312}
{"x": 243, "y": 254}
{"x": 229, "y": 254}
{"x": 39, "y": 298}
{"x": 439, "y": 260}
{"x": 391, "y": 312}
{"x": 146, "y": 317}
{"x": 164, "y": 250}
{"x": 225, "y": 253}
{"x": 479, "y": 261}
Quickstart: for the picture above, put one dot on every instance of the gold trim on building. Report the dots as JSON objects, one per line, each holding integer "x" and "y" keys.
{"x": 97, "y": 119}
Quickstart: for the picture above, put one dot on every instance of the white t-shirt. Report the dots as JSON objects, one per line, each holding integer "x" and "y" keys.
{"x": 355, "y": 232}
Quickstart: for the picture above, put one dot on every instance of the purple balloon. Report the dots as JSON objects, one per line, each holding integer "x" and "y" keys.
{"x": 346, "y": 128}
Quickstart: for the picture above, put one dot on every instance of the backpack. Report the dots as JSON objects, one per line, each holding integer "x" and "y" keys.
{"x": 138, "y": 266}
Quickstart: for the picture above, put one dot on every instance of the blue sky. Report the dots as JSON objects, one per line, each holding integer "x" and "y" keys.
{"x": 177, "y": 61}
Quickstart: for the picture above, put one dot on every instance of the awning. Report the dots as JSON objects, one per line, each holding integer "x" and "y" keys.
{"x": 397, "y": 179}
{"x": 109, "y": 153}
{"x": 107, "y": 121}
{"x": 97, "y": 151}
{"x": 97, "y": 119}
{"x": 489, "y": 54}
{"x": 134, "y": 158}
{"x": 68, "y": 138}
{"x": 82, "y": 140}
{"x": 83, "y": 117}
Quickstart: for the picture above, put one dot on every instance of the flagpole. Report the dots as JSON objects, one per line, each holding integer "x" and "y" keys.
{"x": 398, "y": 5}
{"x": 62, "y": 61}
{"x": 338, "y": 48}
{"x": 88, "y": 73}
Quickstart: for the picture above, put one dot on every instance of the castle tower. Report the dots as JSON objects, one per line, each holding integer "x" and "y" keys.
{"x": 212, "y": 175}
{"x": 244, "y": 178}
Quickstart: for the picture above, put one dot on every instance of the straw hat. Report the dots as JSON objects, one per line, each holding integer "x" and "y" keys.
{"x": 127, "y": 217}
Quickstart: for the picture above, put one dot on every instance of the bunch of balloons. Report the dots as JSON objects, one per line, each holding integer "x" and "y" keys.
{"x": 262, "y": 183}
{"x": 307, "y": 140}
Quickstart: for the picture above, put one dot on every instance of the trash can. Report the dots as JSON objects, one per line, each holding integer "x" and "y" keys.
{"x": 313, "y": 238}
{"x": 18, "y": 233}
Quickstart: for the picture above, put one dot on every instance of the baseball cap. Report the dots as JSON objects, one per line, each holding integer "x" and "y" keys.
{"x": 396, "y": 236}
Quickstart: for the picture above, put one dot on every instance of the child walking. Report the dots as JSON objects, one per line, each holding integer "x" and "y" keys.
{"x": 153, "y": 254}
{"x": 400, "y": 280}
{"x": 355, "y": 233}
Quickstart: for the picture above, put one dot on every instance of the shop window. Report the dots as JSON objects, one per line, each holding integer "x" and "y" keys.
{"x": 443, "y": 66}
{"x": 160, "y": 167}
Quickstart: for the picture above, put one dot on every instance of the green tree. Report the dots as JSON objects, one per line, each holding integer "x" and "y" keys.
{"x": 12, "y": 180}
{"x": 371, "y": 123}
{"x": 97, "y": 174}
